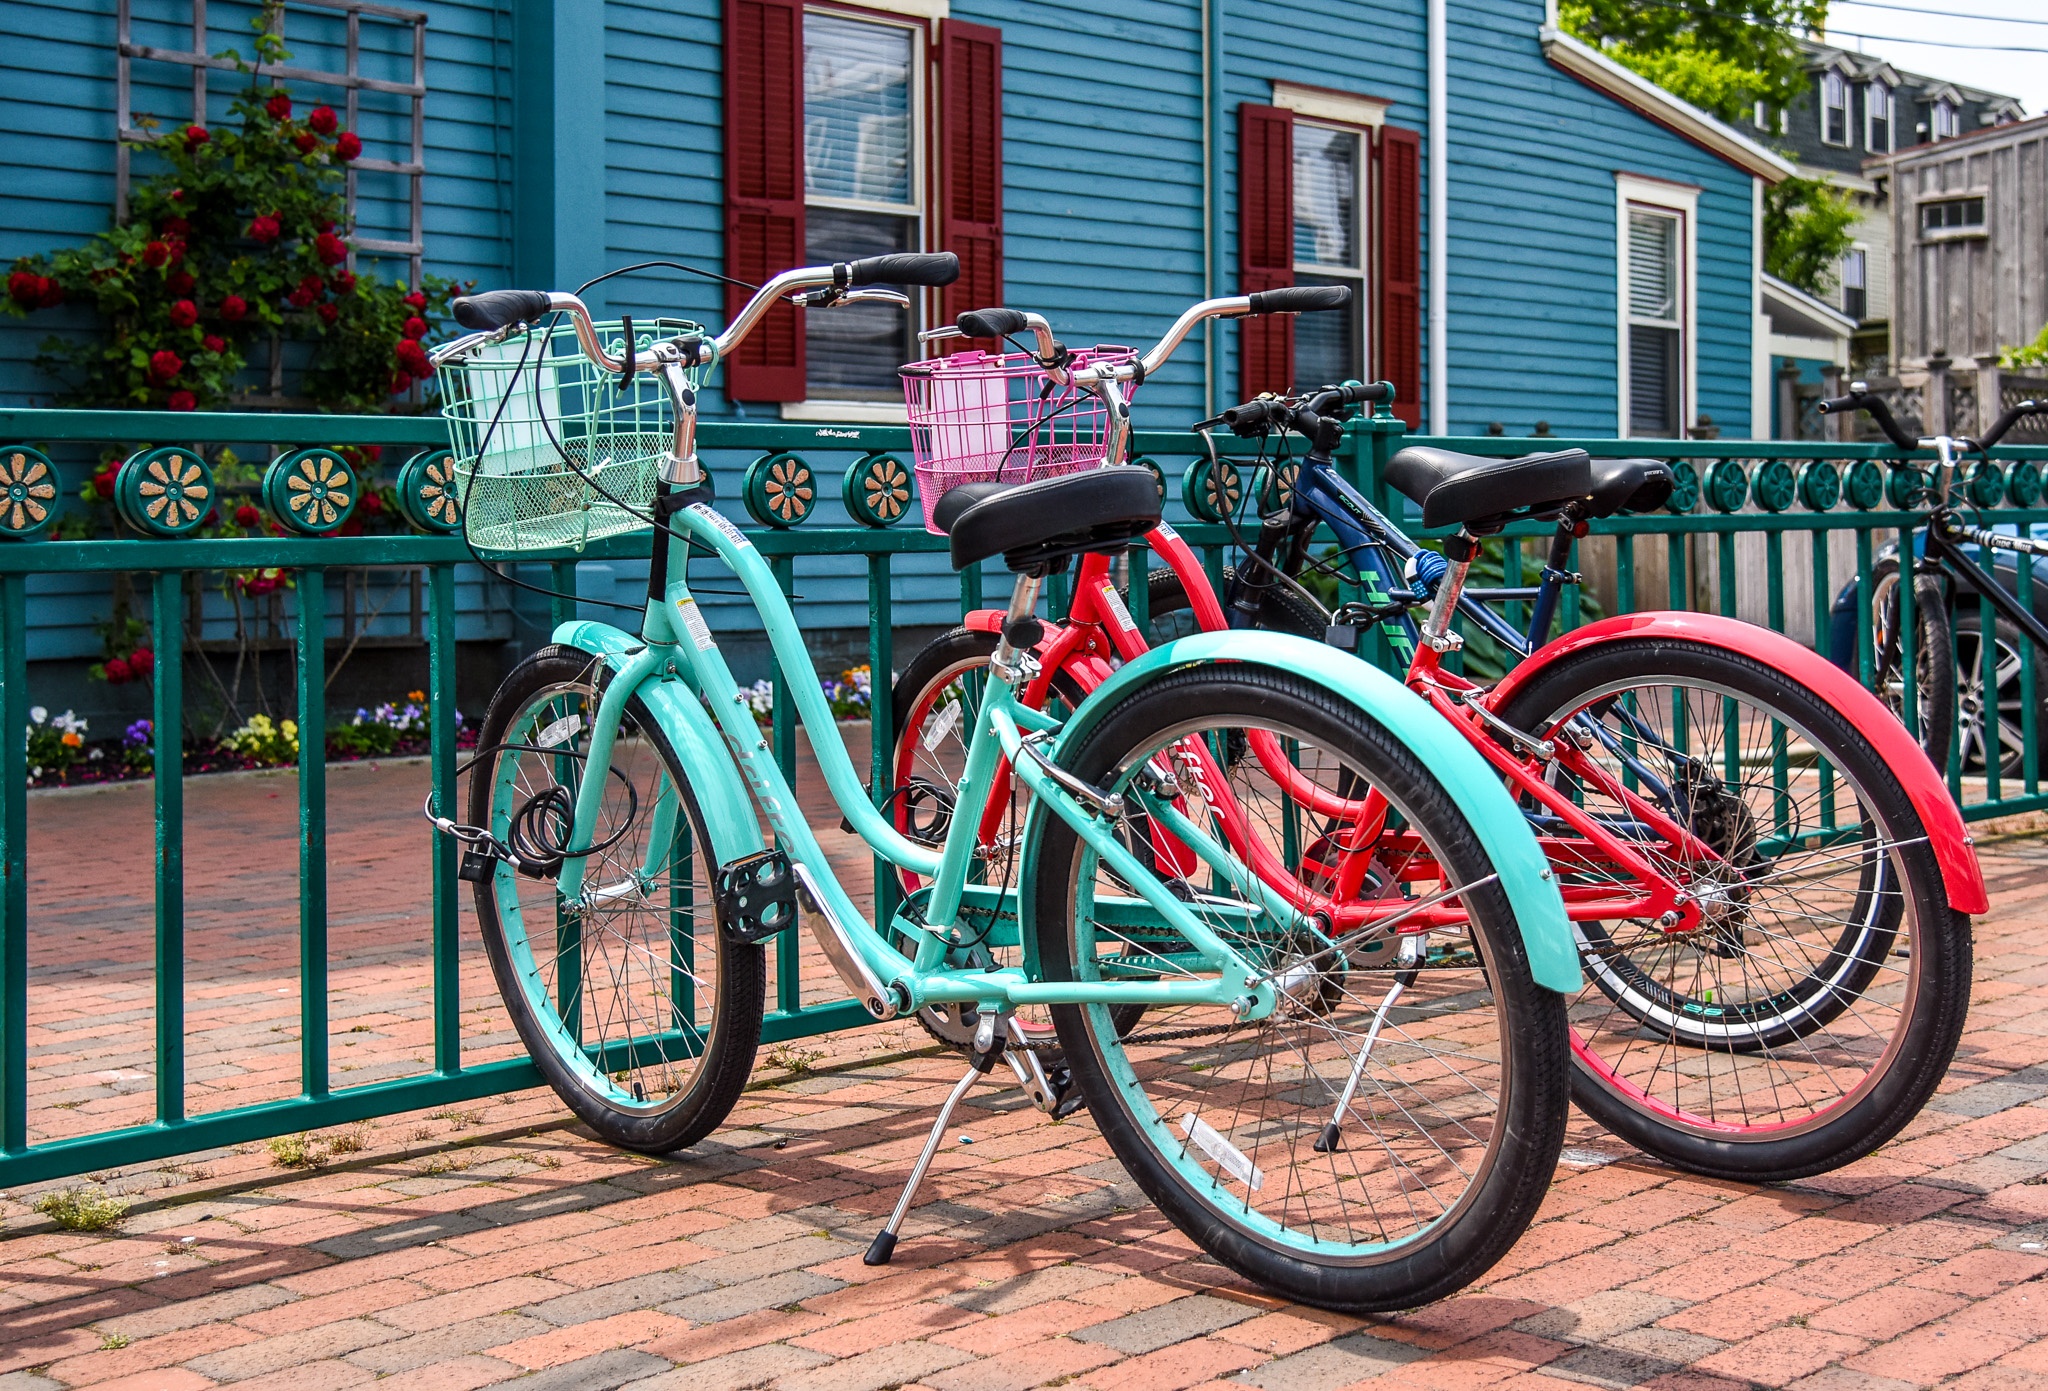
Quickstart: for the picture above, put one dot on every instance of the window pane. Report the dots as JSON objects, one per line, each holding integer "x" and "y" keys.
{"x": 853, "y": 353}
{"x": 1652, "y": 266}
{"x": 1852, "y": 270}
{"x": 1653, "y": 382}
{"x": 1326, "y": 344}
{"x": 1325, "y": 196}
{"x": 857, "y": 110}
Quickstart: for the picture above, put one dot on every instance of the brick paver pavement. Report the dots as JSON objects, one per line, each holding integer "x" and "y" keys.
{"x": 496, "y": 1243}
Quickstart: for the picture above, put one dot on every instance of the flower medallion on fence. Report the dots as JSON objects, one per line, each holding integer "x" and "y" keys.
{"x": 780, "y": 490}
{"x": 1276, "y": 486}
{"x": 1685, "y": 488}
{"x": 167, "y": 491}
{"x": 2023, "y": 483}
{"x": 1984, "y": 483}
{"x": 1146, "y": 461}
{"x": 28, "y": 492}
{"x": 428, "y": 493}
{"x": 1864, "y": 484}
{"x": 1820, "y": 485}
{"x": 1212, "y": 489}
{"x": 1775, "y": 486}
{"x": 877, "y": 491}
{"x": 1727, "y": 485}
{"x": 310, "y": 490}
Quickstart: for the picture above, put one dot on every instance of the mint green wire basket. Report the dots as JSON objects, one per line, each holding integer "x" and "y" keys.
{"x": 550, "y": 453}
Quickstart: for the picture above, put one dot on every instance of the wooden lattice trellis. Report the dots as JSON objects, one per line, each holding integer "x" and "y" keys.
{"x": 350, "y": 80}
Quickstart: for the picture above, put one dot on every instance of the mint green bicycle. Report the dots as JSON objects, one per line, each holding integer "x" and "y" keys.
{"x": 1360, "y": 1116}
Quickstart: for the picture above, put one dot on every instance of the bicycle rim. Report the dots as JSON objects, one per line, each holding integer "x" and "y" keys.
{"x": 1790, "y": 998}
{"x": 622, "y": 988}
{"x": 1235, "y": 1111}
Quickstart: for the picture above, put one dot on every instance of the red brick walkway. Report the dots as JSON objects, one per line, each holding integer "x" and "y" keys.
{"x": 495, "y": 1243}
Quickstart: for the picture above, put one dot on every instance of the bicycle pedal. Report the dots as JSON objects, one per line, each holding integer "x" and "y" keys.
{"x": 756, "y": 897}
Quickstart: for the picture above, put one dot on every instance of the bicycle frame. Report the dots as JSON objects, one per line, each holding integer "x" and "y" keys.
{"x": 675, "y": 644}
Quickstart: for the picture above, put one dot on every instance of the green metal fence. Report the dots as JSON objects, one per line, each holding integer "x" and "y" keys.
{"x": 1767, "y": 473}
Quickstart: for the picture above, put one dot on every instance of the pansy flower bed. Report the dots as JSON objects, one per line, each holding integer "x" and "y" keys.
{"x": 63, "y": 753}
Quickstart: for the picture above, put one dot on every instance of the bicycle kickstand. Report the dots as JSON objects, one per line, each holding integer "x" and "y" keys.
{"x": 988, "y": 1046}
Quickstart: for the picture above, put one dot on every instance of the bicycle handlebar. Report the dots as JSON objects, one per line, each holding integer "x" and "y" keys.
{"x": 2013, "y": 415}
{"x": 495, "y": 309}
{"x": 1301, "y": 299}
{"x": 993, "y": 323}
{"x": 1861, "y": 398}
{"x": 902, "y": 268}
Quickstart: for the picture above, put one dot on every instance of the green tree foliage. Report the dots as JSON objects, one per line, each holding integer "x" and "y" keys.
{"x": 1725, "y": 56}
{"x": 1806, "y": 232}
{"x": 2034, "y": 354}
{"x": 238, "y": 239}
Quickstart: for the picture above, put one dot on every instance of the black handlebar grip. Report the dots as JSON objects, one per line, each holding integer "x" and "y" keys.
{"x": 1252, "y": 416}
{"x": 1359, "y": 393}
{"x": 1301, "y": 299}
{"x": 906, "y": 268}
{"x": 1836, "y": 403}
{"x": 497, "y": 308}
{"x": 991, "y": 323}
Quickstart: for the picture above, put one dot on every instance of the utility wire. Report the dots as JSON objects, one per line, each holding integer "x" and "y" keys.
{"x": 1933, "y": 43}
{"x": 1940, "y": 14}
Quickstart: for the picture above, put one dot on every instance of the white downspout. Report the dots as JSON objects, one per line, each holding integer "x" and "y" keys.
{"x": 1439, "y": 224}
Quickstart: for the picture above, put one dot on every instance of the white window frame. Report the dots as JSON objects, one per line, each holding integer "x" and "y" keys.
{"x": 1683, "y": 200}
{"x": 1891, "y": 116}
{"x": 1860, "y": 251}
{"x": 1935, "y": 122}
{"x": 885, "y": 412}
{"x": 1840, "y": 85}
{"x": 1967, "y": 231}
{"x": 1359, "y": 274}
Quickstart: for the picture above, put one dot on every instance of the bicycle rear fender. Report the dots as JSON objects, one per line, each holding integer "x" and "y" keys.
{"x": 1478, "y": 792}
{"x": 1954, "y": 850}
{"x": 714, "y": 777}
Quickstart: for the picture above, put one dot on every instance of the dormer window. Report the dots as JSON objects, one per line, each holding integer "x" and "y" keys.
{"x": 1943, "y": 121}
{"x": 1877, "y": 118}
{"x": 1834, "y": 109}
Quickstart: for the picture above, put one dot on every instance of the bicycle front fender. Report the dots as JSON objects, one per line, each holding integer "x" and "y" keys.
{"x": 714, "y": 776}
{"x": 1954, "y": 851}
{"x": 1473, "y": 786}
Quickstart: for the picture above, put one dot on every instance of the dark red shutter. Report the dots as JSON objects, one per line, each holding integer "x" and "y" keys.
{"x": 1265, "y": 243}
{"x": 1399, "y": 203}
{"x": 971, "y": 167}
{"x": 764, "y": 187}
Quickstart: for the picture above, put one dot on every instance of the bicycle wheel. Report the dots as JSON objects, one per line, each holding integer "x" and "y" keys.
{"x": 639, "y": 1013}
{"x": 1810, "y": 1012}
{"x": 1934, "y": 671}
{"x": 1446, "y": 1094}
{"x": 937, "y": 704}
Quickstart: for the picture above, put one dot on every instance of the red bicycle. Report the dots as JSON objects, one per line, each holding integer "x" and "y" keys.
{"x": 1770, "y": 886}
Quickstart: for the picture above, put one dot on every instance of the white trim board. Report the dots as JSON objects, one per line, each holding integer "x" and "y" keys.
{"x": 1324, "y": 104}
{"x": 1666, "y": 196}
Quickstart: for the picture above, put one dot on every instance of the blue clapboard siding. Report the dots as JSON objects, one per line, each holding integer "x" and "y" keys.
{"x": 1103, "y": 214}
{"x": 1533, "y": 281}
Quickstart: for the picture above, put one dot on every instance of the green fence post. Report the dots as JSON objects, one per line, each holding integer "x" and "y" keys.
{"x": 881, "y": 667}
{"x": 2029, "y": 721}
{"x": 167, "y": 738}
{"x": 447, "y": 889}
{"x": 312, "y": 655}
{"x": 1866, "y": 652}
{"x": 14, "y": 864}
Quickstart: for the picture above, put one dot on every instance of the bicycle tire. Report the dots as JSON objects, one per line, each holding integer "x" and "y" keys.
{"x": 1845, "y": 1065}
{"x": 1505, "y": 1036}
{"x": 623, "y": 1110}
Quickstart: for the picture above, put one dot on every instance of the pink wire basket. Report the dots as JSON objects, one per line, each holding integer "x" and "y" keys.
{"x": 979, "y": 417}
